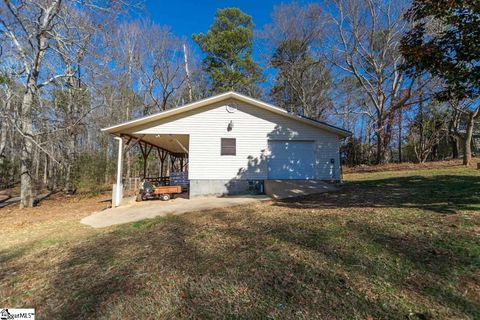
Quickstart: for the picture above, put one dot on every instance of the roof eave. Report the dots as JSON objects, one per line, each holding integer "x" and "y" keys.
{"x": 163, "y": 114}
{"x": 227, "y": 95}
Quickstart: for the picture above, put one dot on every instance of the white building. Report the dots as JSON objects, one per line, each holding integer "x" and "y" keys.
{"x": 231, "y": 139}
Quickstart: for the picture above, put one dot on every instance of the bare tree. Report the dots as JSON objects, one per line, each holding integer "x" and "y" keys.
{"x": 187, "y": 73}
{"x": 43, "y": 34}
{"x": 31, "y": 43}
{"x": 161, "y": 67}
{"x": 367, "y": 38}
{"x": 302, "y": 82}
{"x": 427, "y": 129}
{"x": 453, "y": 137}
{"x": 6, "y": 97}
{"x": 469, "y": 111}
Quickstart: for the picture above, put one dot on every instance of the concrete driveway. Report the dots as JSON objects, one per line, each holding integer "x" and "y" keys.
{"x": 134, "y": 211}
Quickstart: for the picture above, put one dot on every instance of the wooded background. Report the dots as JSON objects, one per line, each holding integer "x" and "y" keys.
{"x": 402, "y": 76}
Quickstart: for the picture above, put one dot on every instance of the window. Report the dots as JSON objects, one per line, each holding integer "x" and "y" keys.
{"x": 229, "y": 147}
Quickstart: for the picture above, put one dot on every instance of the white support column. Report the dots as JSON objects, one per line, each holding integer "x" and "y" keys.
{"x": 118, "y": 187}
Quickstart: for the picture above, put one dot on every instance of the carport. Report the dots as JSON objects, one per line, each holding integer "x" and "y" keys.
{"x": 171, "y": 152}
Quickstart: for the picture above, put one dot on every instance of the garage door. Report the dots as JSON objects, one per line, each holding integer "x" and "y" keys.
{"x": 291, "y": 160}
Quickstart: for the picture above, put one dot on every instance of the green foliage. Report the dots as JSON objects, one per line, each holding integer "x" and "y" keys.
{"x": 408, "y": 152}
{"x": 288, "y": 53}
{"x": 228, "y": 48}
{"x": 430, "y": 121}
{"x": 5, "y": 79}
{"x": 445, "y": 41}
{"x": 301, "y": 82}
{"x": 352, "y": 152}
{"x": 90, "y": 172}
{"x": 8, "y": 170}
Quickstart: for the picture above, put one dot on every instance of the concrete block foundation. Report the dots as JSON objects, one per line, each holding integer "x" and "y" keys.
{"x": 277, "y": 189}
{"x": 208, "y": 187}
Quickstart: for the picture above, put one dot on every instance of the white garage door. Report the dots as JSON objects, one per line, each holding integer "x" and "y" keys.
{"x": 291, "y": 159}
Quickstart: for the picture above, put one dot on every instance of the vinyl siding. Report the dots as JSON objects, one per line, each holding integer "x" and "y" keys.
{"x": 252, "y": 128}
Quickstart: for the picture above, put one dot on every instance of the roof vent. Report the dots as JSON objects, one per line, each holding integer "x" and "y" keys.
{"x": 231, "y": 108}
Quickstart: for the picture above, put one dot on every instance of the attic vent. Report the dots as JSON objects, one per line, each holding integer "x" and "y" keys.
{"x": 231, "y": 108}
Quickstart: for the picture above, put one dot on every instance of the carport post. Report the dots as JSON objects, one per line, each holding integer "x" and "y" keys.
{"x": 117, "y": 191}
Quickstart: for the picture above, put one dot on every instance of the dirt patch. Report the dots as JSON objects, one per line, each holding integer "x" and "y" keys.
{"x": 57, "y": 207}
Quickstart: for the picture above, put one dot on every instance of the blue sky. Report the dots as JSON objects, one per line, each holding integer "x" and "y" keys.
{"x": 188, "y": 16}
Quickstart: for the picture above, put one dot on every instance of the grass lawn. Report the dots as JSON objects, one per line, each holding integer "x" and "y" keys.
{"x": 394, "y": 245}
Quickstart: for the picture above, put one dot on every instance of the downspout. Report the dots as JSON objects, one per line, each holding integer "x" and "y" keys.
{"x": 118, "y": 190}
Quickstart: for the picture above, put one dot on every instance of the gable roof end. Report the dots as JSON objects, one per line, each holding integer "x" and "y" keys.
{"x": 116, "y": 129}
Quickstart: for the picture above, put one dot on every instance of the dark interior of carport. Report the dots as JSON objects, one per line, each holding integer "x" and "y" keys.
{"x": 169, "y": 151}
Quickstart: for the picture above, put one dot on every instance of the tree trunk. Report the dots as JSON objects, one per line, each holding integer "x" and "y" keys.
{"x": 467, "y": 146}
{"x": 68, "y": 178}
{"x": 424, "y": 157}
{"x": 45, "y": 171}
{"x": 453, "y": 135}
{"x": 434, "y": 152}
{"x": 72, "y": 145}
{"x": 107, "y": 167}
{"x": 129, "y": 167}
{"x": 381, "y": 151}
{"x": 400, "y": 114}
{"x": 36, "y": 156}
{"x": 454, "y": 144}
{"x": 3, "y": 135}
{"x": 187, "y": 73}
{"x": 381, "y": 142}
{"x": 420, "y": 124}
{"x": 26, "y": 188}
{"x": 54, "y": 177}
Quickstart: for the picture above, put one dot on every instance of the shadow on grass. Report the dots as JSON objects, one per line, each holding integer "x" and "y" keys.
{"x": 171, "y": 272}
{"x": 15, "y": 200}
{"x": 242, "y": 264}
{"x": 281, "y": 260}
{"x": 7, "y": 197}
{"x": 444, "y": 194}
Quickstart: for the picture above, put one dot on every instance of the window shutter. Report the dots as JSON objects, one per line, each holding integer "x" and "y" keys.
{"x": 228, "y": 147}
